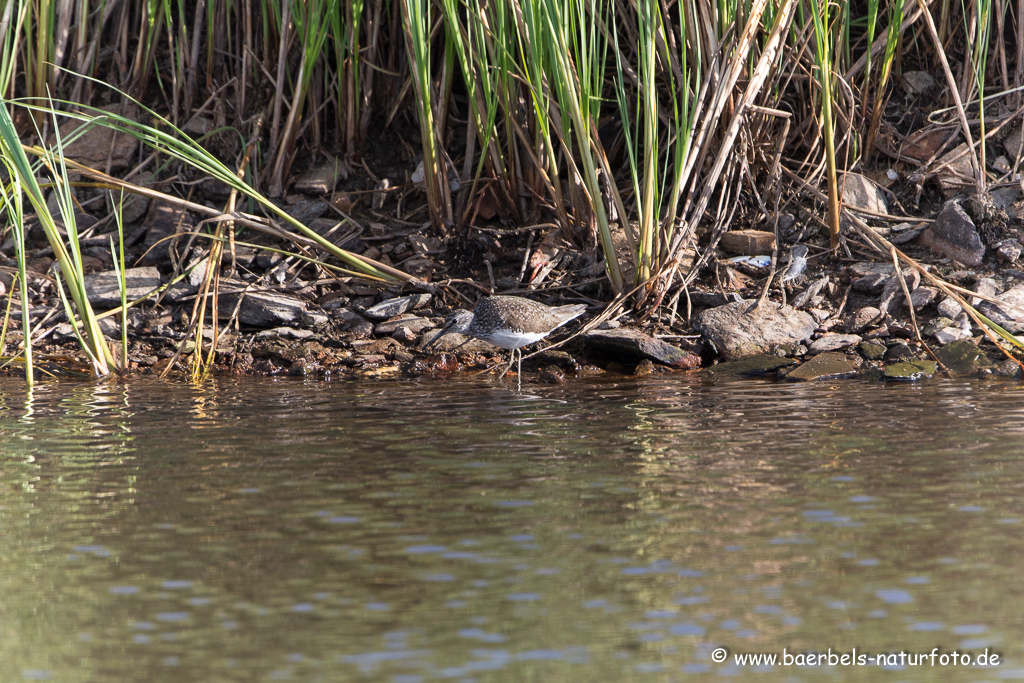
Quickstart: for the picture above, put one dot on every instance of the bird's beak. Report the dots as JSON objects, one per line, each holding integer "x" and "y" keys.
{"x": 437, "y": 337}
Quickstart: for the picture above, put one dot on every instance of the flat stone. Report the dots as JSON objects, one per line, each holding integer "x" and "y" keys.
{"x": 353, "y": 325}
{"x": 918, "y": 82}
{"x": 826, "y": 366}
{"x": 285, "y": 333}
{"x": 899, "y": 352}
{"x": 962, "y": 358}
{"x": 957, "y": 172}
{"x": 893, "y": 297}
{"x": 873, "y": 283}
{"x": 98, "y": 144}
{"x": 911, "y": 371}
{"x": 1013, "y": 141}
{"x": 949, "y": 308}
{"x": 948, "y": 335}
{"x": 862, "y": 268}
{"x": 264, "y": 309}
{"x": 922, "y": 296}
{"x": 398, "y": 306}
{"x": 865, "y": 317}
{"x": 748, "y": 242}
{"x": 750, "y": 366}
{"x": 1005, "y": 197}
{"x": 320, "y": 179}
{"x": 834, "y": 342}
{"x": 871, "y": 350}
{"x": 1009, "y": 312}
{"x": 411, "y": 322}
{"x": 953, "y": 235}
{"x": 908, "y": 236}
{"x": 741, "y": 329}
{"x": 1008, "y": 251}
{"x": 135, "y": 206}
{"x": 627, "y": 345}
{"x": 163, "y": 221}
{"x": 860, "y": 192}
{"x": 306, "y": 210}
{"x": 103, "y": 289}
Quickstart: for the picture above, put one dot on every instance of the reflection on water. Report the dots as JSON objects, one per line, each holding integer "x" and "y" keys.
{"x": 457, "y": 530}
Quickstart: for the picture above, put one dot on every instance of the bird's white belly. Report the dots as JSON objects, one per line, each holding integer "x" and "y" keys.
{"x": 507, "y": 339}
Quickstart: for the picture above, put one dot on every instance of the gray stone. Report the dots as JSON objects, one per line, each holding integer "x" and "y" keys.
{"x": 865, "y": 317}
{"x": 953, "y": 235}
{"x": 893, "y": 297}
{"x": 873, "y": 283}
{"x": 949, "y": 308}
{"x": 922, "y": 296}
{"x": 918, "y": 82}
{"x": 899, "y": 352}
{"x": 135, "y": 206}
{"x": 1012, "y": 142}
{"x": 948, "y": 335}
{"x": 98, "y": 144}
{"x": 826, "y": 366}
{"x": 315, "y": 319}
{"x": 392, "y": 307}
{"x": 741, "y": 328}
{"x": 306, "y": 210}
{"x": 353, "y": 325}
{"x": 320, "y": 179}
{"x": 908, "y": 236}
{"x": 804, "y": 298}
{"x": 103, "y": 289}
{"x": 833, "y": 342}
{"x": 1009, "y": 312}
{"x": 1008, "y": 251}
{"x": 750, "y": 366}
{"x": 163, "y": 221}
{"x": 627, "y": 345}
{"x": 956, "y": 171}
{"x": 862, "y": 268}
{"x": 862, "y": 193}
{"x": 411, "y": 322}
{"x": 985, "y": 286}
{"x": 264, "y": 309}
{"x": 1005, "y": 197}
{"x": 286, "y": 333}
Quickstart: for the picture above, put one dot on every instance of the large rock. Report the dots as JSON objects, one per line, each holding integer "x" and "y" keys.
{"x": 103, "y": 289}
{"x": 862, "y": 193}
{"x": 953, "y": 234}
{"x": 98, "y": 145}
{"x": 741, "y": 329}
{"x": 1009, "y": 312}
{"x": 631, "y": 346}
{"x": 263, "y": 309}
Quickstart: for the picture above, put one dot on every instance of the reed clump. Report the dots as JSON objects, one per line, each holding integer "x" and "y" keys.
{"x": 634, "y": 133}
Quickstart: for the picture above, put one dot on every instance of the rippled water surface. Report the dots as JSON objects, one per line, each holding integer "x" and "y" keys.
{"x": 615, "y": 530}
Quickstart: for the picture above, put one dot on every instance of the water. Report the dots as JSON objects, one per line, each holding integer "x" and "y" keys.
{"x": 616, "y": 530}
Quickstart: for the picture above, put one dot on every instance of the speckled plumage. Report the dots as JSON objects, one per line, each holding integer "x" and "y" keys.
{"x": 510, "y": 322}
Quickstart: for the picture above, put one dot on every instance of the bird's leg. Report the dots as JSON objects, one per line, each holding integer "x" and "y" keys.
{"x": 508, "y": 367}
{"x": 519, "y": 371}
